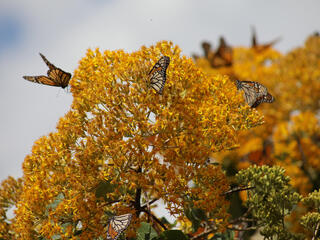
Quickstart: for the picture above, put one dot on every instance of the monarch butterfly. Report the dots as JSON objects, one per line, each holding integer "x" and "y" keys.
{"x": 261, "y": 47}
{"x": 254, "y": 93}
{"x": 56, "y": 76}
{"x": 158, "y": 75}
{"x": 223, "y": 56}
{"x": 117, "y": 224}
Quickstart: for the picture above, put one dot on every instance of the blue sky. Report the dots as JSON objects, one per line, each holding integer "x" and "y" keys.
{"x": 64, "y": 30}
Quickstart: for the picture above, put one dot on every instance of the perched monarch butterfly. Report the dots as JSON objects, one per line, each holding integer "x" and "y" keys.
{"x": 261, "y": 47}
{"x": 117, "y": 224}
{"x": 158, "y": 75}
{"x": 254, "y": 93}
{"x": 56, "y": 76}
{"x": 223, "y": 55}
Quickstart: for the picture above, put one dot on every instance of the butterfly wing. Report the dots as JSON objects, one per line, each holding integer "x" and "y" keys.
{"x": 254, "y": 93}
{"x": 60, "y": 77}
{"x": 158, "y": 75}
{"x": 254, "y": 37}
{"x": 265, "y": 98}
{"x": 117, "y": 225}
{"x": 249, "y": 91}
{"x": 268, "y": 98}
{"x": 40, "y": 79}
{"x": 49, "y": 64}
{"x": 112, "y": 233}
{"x": 261, "y": 47}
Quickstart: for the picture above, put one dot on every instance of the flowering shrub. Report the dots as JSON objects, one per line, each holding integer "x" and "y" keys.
{"x": 122, "y": 147}
{"x": 122, "y": 143}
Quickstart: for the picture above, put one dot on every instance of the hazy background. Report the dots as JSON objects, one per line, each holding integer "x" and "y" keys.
{"x": 64, "y": 30}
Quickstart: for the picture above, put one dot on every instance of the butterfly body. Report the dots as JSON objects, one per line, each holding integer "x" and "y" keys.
{"x": 56, "y": 76}
{"x": 254, "y": 93}
{"x": 117, "y": 224}
{"x": 158, "y": 74}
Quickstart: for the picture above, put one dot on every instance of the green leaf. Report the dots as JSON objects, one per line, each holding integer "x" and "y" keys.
{"x": 164, "y": 220}
{"x": 146, "y": 232}
{"x": 103, "y": 188}
{"x": 199, "y": 214}
{"x": 196, "y": 216}
{"x": 173, "y": 235}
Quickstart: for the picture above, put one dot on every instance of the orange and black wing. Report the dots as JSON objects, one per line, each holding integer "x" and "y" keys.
{"x": 49, "y": 64}
{"x": 40, "y": 79}
{"x": 117, "y": 225}
{"x": 112, "y": 233}
{"x": 250, "y": 91}
{"x": 60, "y": 77}
{"x": 56, "y": 76}
{"x": 268, "y": 98}
{"x": 158, "y": 74}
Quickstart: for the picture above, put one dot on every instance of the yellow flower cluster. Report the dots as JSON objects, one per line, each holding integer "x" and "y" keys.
{"x": 139, "y": 143}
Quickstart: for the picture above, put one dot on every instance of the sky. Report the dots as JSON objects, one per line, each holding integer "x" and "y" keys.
{"x": 64, "y": 30}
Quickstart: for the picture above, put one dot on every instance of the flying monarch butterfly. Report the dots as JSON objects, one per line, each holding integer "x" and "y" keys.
{"x": 254, "y": 93}
{"x": 158, "y": 75}
{"x": 56, "y": 76}
{"x": 117, "y": 224}
{"x": 261, "y": 47}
